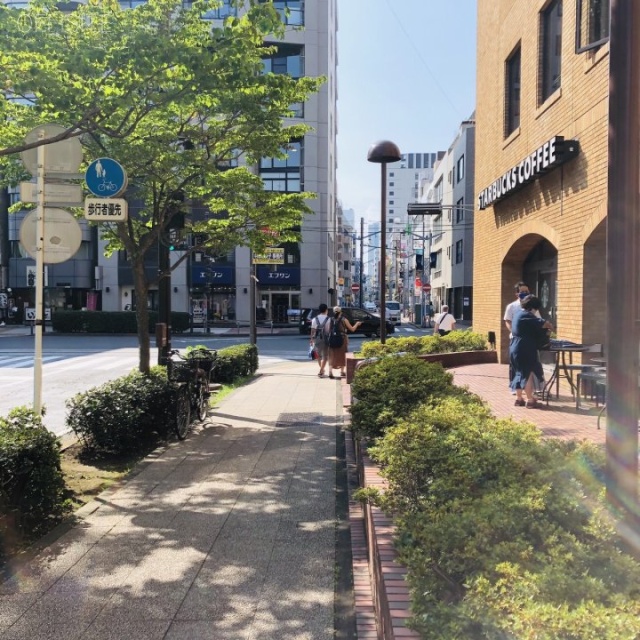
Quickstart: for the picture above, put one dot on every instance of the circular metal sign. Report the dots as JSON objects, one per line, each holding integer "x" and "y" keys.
{"x": 106, "y": 178}
{"x": 62, "y": 235}
{"x": 64, "y": 156}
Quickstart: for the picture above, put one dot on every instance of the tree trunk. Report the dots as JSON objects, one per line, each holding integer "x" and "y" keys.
{"x": 142, "y": 313}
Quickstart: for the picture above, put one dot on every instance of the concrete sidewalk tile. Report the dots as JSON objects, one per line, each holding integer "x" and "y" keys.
{"x": 200, "y": 542}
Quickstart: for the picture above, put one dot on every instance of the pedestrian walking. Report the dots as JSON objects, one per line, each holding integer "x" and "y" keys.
{"x": 445, "y": 323}
{"x": 319, "y": 335}
{"x": 338, "y": 328}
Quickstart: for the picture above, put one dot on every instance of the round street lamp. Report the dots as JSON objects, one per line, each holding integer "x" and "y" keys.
{"x": 383, "y": 152}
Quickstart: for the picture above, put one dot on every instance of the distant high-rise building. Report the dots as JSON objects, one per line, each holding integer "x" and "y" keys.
{"x": 403, "y": 185}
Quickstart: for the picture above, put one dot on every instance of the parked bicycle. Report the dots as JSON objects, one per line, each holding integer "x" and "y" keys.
{"x": 191, "y": 375}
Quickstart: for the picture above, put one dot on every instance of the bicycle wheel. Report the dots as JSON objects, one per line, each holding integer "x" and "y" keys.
{"x": 183, "y": 413}
{"x": 202, "y": 396}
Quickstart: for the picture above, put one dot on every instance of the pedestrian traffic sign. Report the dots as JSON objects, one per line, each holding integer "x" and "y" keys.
{"x": 106, "y": 178}
{"x": 105, "y": 209}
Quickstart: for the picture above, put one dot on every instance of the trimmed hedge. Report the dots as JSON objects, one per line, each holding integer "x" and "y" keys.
{"x": 504, "y": 534}
{"x": 111, "y": 321}
{"x": 125, "y": 415}
{"x": 235, "y": 362}
{"x": 454, "y": 341}
{"x": 32, "y": 489}
{"x": 392, "y": 387}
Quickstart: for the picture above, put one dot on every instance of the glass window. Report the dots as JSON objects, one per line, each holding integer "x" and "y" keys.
{"x": 284, "y": 174}
{"x": 512, "y": 93}
{"x": 592, "y": 18}
{"x": 460, "y": 169}
{"x": 460, "y": 211}
{"x": 551, "y": 49}
{"x": 287, "y": 59}
{"x": 291, "y": 11}
{"x": 459, "y": 251}
{"x": 227, "y": 9}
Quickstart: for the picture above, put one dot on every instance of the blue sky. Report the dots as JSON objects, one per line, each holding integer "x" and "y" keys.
{"x": 406, "y": 73}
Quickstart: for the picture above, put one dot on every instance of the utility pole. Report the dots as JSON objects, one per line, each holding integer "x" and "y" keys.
{"x": 361, "y": 256}
{"x": 623, "y": 265}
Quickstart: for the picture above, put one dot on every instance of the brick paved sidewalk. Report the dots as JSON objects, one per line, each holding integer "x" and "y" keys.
{"x": 560, "y": 419}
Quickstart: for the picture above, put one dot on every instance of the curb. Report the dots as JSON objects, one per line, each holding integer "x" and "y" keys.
{"x": 381, "y": 593}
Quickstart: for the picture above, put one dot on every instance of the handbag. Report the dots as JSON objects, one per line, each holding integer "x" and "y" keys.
{"x": 543, "y": 343}
{"x": 313, "y": 354}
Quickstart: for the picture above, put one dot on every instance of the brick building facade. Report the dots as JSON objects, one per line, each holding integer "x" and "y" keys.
{"x": 541, "y": 163}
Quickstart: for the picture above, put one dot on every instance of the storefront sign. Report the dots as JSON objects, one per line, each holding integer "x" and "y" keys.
{"x": 203, "y": 275}
{"x": 285, "y": 276}
{"x": 551, "y": 154}
{"x": 272, "y": 255}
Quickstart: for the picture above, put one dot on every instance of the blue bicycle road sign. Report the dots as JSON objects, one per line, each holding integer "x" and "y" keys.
{"x": 106, "y": 178}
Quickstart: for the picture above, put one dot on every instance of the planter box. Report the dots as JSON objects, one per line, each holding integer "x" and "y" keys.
{"x": 448, "y": 360}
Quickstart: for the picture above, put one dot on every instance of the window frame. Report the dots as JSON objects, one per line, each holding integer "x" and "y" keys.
{"x": 592, "y": 44}
{"x": 460, "y": 211}
{"x": 459, "y": 251}
{"x": 512, "y": 93}
{"x": 547, "y": 84}
{"x": 281, "y": 170}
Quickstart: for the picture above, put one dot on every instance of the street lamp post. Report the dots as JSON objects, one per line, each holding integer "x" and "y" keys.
{"x": 383, "y": 152}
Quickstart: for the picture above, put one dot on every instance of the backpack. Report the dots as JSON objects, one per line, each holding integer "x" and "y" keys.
{"x": 335, "y": 335}
{"x": 321, "y": 334}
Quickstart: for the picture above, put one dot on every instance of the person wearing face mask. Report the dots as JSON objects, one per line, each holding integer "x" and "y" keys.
{"x": 522, "y": 291}
{"x": 528, "y": 330}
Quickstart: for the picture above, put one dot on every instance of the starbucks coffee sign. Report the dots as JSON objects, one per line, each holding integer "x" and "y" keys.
{"x": 547, "y": 156}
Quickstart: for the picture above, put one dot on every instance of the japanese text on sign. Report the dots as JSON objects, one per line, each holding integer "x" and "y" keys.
{"x": 105, "y": 209}
{"x": 272, "y": 255}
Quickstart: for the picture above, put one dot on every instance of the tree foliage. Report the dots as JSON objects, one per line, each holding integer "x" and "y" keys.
{"x": 182, "y": 103}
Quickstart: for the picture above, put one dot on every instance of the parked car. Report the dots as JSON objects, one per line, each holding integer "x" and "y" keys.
{"x": 370, "y": 323}
{"x": 370, "y": 306}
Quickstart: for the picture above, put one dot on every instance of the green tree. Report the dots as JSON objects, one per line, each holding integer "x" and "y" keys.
{"x": 183, "y": 105}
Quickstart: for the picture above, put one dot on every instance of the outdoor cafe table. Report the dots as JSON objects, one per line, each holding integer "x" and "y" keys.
{"x": 563, "y": 351}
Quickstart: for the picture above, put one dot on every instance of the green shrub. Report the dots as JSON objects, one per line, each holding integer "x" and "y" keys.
{"x": 125, "y": 415}
{"x": 454, "y": 341}
{"x": 235, "y": 362}
{"x": 111, "y": 321}
{"x": 32, "y": 489}
{"x": 393, "y": 386}
{"x": 503, "y": 533}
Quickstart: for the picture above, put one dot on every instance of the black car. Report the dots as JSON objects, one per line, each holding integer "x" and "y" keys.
{"x": 370, "y": 323}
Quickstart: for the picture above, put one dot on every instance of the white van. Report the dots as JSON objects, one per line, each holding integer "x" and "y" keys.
{"x": 393, "y": 312}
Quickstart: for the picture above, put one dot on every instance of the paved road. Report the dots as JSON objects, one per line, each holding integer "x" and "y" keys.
{"x": 75, "y": 364}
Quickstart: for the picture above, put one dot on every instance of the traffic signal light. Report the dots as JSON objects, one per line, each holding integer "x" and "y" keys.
{"x": 419, "y": 262}
{"x": 433, "y": 260}
{"x": 31, "y": 279}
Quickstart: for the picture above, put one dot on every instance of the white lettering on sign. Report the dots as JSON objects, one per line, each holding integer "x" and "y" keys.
{"x": 552, "y": 153}
{"x": 278, "y": 275}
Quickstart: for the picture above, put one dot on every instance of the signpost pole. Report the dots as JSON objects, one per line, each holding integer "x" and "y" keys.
{"x": 253, "y": 330}
{"x": 37, "y": 357}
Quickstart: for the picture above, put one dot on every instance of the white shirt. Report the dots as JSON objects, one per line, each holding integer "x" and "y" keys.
{"x": 510, "y": 312}
{"x": 446, "y": 321}
{"x": 318, "y": 320}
